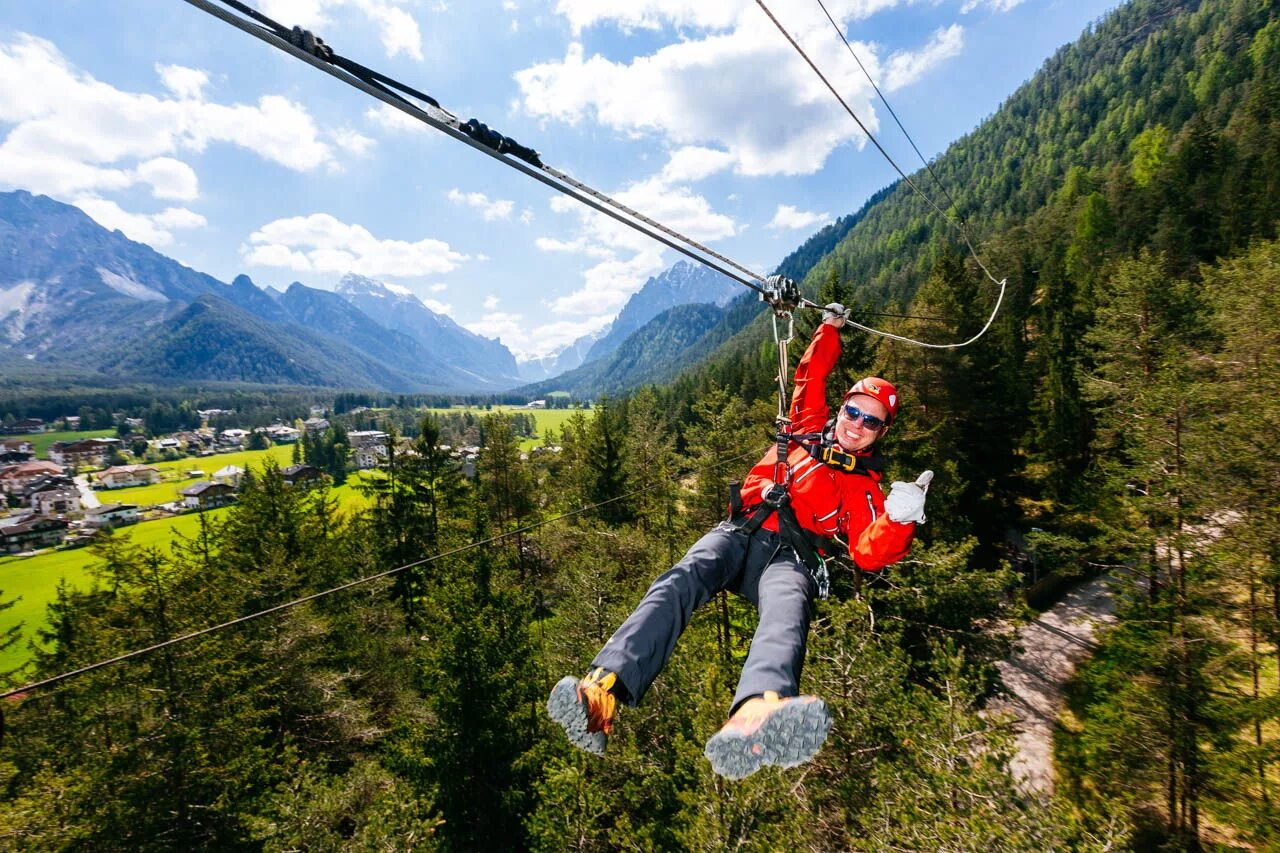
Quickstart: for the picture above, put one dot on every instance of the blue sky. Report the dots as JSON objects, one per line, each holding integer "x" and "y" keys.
{"x": 232, "y": 157}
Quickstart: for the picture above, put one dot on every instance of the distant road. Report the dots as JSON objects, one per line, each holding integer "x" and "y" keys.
{"x": 88, "y": 498}
{"x": 1049, "y": 649}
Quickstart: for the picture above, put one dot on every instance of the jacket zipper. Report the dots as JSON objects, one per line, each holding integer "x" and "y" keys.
{"x": 871, "y": 506}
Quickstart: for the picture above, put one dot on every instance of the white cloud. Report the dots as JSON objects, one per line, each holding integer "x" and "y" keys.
{"x": 489, "y": 208}
{"x": 170, "y": 179}
{"x": 527, "y": 341}
{"x": 788, "y": 216}
{"x": 352, "y": 140}
{"x": 179, "y": 217}
{"x": 155, "y": 230}
{"x": 993, "y": 5}
{"x": 397, "y": 29}
{"x": 906, "y": 67}
{"x": 732, "y": 85}
{"x": 490, "y": 302}
{"x": 76, "y": 136}
{"x": 650, "y": 14}
{"x": 625, "y": 258}
{"x": 182, "y": 81}
{"x": 438, "y": 307}
{"x": 322, "y": 243}
{"x": 437, "y": 288}
{"x": 693, "y": 163}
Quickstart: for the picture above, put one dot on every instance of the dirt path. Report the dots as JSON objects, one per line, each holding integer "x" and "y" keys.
{"x": 1050, "y": 647}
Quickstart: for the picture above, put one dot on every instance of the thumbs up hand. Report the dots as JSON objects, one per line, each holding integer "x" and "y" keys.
{"x": 906, "y": 500}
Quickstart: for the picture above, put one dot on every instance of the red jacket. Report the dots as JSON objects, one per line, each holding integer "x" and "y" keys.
{"x": 828, "y": 501}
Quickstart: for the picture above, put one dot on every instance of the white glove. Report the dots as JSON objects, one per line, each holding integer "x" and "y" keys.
{"x": 834, "y": 315}
{"x": 906, "y": 500}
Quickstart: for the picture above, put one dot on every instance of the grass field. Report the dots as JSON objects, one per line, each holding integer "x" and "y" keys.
{"x": 35, "y": 579}
{"x": 173, "y": 479}
{"x": 42, "y": 440}
{"x": 544, "y": 418}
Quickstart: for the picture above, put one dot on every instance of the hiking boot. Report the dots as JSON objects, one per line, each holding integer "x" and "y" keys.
{"x": 586, "y": 709}
{"x": 768, "y": 730}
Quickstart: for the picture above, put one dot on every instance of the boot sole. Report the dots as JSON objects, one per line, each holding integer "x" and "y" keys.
{"x": 790, "y": 736}
{"x": 567, "y": 709}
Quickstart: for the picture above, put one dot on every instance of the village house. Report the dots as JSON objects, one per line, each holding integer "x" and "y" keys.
{"x": 369, "y": 447}
{"x": 13, "y": 457}
{"x": 52, "y": 496}
{"x": 315, "y": 424}
{"x": 231, "y": 475}
{"x": 125, "y": 476}
{"x": 29, "y": 532}
{"x": 26, "y": 426}
{"x": 87, "y": 453}
{"x": 110, "y": 515}
{"x": 16, "y": 477}
{"x": 72, "y": 422}
{"x": 207, "y": 495}
{"x": 17, "y": 445}
{"x": 302, "y": 475}
{"x": 233, "y": 437}
{"x": 281, "y": 433}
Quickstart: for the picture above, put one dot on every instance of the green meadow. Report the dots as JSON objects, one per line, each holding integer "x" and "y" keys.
{"x": 34, "y": 580}
{"x": 173, "y": 474}
{"x": 546, "y": 419}
{"x": 42, "y": 440}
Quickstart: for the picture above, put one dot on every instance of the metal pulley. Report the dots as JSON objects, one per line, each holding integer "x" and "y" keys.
{"x": 781, "y": 294}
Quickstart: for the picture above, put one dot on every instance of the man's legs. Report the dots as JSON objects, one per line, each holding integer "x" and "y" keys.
{"x": 783, "y": 592}
{"x": 771, "y": 724}
{"x": 641, "y": 647}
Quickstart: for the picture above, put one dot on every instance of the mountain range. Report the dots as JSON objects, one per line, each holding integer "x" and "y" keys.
{"x": 78, "y": 299}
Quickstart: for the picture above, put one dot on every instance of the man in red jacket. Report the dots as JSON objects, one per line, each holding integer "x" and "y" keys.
{"x": 769, "y": 553}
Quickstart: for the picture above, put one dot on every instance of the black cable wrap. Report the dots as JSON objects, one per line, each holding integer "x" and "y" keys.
{"x": 482, "y": 133}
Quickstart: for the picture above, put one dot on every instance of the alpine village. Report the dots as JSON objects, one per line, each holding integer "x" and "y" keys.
{"x": 962, "y": 501}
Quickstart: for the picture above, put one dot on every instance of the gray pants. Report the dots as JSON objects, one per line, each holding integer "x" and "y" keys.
{"x": 762, "y": 570}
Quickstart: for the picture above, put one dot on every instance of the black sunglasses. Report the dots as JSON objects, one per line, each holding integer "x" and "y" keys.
{"x": 855, "y": 414}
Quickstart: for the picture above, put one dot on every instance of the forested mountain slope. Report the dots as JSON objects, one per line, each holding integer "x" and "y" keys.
{"x": 1156, "y": 128}
{"x": 1122, "y": 415}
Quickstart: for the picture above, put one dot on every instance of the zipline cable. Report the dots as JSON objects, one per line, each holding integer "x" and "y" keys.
{"x": 315, "y": 52}
{"x": 889, "y": 107}
{"x": 212, "y": 629}
{"x": 964, "y": 233}
{"x": 303, "y": 45}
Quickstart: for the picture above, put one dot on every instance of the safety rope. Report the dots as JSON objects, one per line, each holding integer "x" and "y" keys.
{"x": 964, "y": 233}
{"x": 213, "y": 629}
{"x": 889, "y": 107}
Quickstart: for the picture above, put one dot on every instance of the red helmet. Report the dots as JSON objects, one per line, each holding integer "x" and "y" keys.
{"x": 882, "y": 390}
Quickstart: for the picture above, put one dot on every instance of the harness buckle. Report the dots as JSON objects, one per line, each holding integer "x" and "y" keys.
{"x": 775, "y": 496}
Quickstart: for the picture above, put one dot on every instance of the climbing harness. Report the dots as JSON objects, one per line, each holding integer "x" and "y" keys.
{"x": 782, "y": 295}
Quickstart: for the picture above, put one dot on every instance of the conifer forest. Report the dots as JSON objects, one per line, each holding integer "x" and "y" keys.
{"x": 1122, "y": 415}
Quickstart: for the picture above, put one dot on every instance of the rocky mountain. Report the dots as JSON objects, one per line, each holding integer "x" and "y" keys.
{"x": 653, "y": 353}
{"x": 78, "y": 299}
{"x": 684, "y": 283}
{"x": 398, "y": 309}
{"x": 561, "y": 361}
